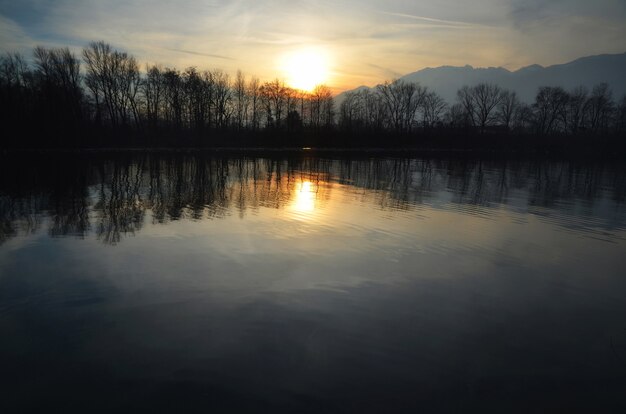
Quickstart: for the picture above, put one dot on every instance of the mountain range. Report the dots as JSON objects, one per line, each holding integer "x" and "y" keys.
{"x": 586, "y": 71}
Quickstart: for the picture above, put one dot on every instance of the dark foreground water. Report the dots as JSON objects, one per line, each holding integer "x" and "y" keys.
{"x": 182, "y": 283}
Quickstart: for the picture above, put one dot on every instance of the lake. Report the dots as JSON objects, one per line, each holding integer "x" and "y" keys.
{"x": 293, "y": 282}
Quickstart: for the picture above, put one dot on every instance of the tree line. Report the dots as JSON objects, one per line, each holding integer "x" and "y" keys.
{"x": 407, "y": 107}
{"x": 104, "y": 98}
{"x": 60, "y": 97}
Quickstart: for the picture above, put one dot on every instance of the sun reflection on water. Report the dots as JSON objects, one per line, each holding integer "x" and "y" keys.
{"x": 304, "y": 201}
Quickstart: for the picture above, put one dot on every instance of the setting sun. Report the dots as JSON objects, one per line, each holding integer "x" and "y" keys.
{"x": 306, "y": 68}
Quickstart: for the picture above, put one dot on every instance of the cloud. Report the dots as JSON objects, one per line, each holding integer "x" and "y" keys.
{"x": 200, "y": 54}
{"x": 13, "y": 37}
{"x": 368, "y": 40}
{"x": 386, "y": 72}
{"x": 530, "y": 13}
{"x": 430, "y": 20}
{"x": 562, "y": 30}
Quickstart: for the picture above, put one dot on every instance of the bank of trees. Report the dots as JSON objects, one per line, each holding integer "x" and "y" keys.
{"x": 555, "y": 111}
{"x": 105, "y": 97}
{"x": 484, "y": 109}
{"x": 58, "y": 96}
{"x": 193, "y": 100}
{"x": 398, "y": 106}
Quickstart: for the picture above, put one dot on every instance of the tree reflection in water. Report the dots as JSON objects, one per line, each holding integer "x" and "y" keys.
{"x": 113, "y": 195}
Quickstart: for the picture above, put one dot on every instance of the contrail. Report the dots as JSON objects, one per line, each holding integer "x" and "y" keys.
{"x": 200, "y": 53}
{"x": 432, "y": 20}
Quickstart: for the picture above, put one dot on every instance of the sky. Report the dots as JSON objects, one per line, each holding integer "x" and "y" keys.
{"x": 363, "y": 41}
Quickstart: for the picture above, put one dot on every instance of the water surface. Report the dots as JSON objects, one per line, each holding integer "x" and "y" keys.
{"x": 198, "y": 283}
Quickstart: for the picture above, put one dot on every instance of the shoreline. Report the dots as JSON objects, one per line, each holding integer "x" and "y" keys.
{"x": 573, "y": 154}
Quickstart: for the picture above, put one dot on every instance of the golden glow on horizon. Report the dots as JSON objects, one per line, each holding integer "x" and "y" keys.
{"x": 306, "y": 68}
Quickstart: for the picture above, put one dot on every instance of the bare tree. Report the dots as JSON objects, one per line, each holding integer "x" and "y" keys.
{"x": 197, "y": 94}
{"x": 255, "y": 102}
{"x": 321, "y": 106}
{"x": 222, "y": 98}
{"x": 550, "y": 108}
{"x": 173, "y": 97}
{"x": 16, "y": 92}
{"x": 620, "y": 124}
{"x": 373, "y": 109}
{"x": 99, "y": 77}
{"x": 457, "y": 116}
{"x": 328, "y": 105}
{"x": 274, "y": 99}
{"x": 350, "y": 110}
{"x": 433, "y": 107}
{"x": 208, "y": 96}
{"x": 59, "y": 70}
{"x": 113, "y": 79}
{"x": 242, "y": 100}
{"x": 402, "y": 101}
{"x": 576, "y": 107}
{"x": 153, "y": 93}
{"x": 507, "y": 108}
{"x": 13, "y": 70}
{"x": 486, "y": 98}
{"x": 303, "y": 103}
{"x": 600, "y": 107}
{"x": 465, "y": 99}
{"x": 130, "y": 83}
{"x": 524, "y": 117}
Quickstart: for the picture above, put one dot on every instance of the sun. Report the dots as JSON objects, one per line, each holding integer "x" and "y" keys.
{"x": 306, "y": 68}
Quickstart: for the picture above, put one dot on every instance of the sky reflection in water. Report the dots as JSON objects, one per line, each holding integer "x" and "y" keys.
{"x": 310, "y": 284}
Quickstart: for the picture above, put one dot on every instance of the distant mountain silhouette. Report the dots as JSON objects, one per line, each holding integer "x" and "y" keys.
{"x": 587, "y": 71}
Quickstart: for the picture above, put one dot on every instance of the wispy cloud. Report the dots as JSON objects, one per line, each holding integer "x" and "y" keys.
{"x": 386, "y": 72}
{"x": 13, "y": 37}
{"x": 369, "y": 40}
{"x": 448, "y": 23}
{"x": 191, "y": 52}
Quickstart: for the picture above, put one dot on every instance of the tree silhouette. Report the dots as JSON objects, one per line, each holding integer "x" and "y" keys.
{"x": 507, "y": 108}
{"x": 402, "y": 100}
{"x": 114, "y": 81}
{"x": 550, "y": 109}
{"x": 433, "y": 108}
{"x": 108, "y": 101}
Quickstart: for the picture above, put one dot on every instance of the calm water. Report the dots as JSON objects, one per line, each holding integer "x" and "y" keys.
{"x": 181, "y": 283}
